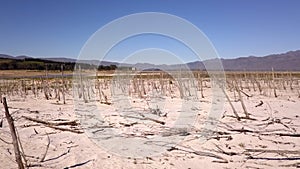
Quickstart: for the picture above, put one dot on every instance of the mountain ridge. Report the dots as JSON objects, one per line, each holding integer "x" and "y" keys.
{"x": 289, "y": 61}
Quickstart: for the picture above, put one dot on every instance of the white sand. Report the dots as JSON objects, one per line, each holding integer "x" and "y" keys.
{"x": 67, "y": 149}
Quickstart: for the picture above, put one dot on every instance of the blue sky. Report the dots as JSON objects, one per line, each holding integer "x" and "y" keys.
{"x": 59, "y": 28}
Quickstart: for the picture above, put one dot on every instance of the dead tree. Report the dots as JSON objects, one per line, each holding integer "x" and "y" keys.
{"x": 241, "y": 100}
{"x": 13, "y": 135}
{"x": 63, "y": 84}
{"x": 231, "y": 105}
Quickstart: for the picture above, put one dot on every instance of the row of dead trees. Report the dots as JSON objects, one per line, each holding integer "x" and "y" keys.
{"x": 268, "y": 84}
{"x": 138, "y": 85}
{"x": 50, "y": 88}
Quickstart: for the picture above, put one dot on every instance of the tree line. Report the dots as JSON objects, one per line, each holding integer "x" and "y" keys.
{"x": 39, "y": 64}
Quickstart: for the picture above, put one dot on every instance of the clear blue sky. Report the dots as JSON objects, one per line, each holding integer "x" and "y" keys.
{"x": 59, "y": 28}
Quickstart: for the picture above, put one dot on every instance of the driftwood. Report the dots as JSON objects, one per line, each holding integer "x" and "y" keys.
{"x": 200, "y": 153}
{"x": 71, "y": 123}
{"x": 13, "y": 135}
{"x": 263, "y": 132}
{"x": 273, "y": 151}
{"x": 66, "y": 129}
{"x": 274, "y": 158}
{"x": 145, "y": 118}
{"x": 54, "y": 125}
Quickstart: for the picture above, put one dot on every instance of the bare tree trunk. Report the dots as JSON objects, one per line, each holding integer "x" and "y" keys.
{"x": 82, "y": 87}
{"x": 231, "y": 105}
{"x": 291, "y": 81}
{"x": 63, "y": 83}
{"x": 201, "y": 84}
{"x": 13, "y": 135}
{"x": 0, "y": 94}
{"x": 273, "y": 81}
{"x": 241, "y": 100}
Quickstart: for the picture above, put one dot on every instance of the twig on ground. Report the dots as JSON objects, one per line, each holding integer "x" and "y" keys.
{"x": 200, "y": 153}
{"x": 260, "y": 104}
{"x": 44, "y": 156}
{"x": 5, "y": 141}
{"x": 79, "y": 164}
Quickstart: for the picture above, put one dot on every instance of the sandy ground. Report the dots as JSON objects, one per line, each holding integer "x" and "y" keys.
{"x": 268, "y": 140}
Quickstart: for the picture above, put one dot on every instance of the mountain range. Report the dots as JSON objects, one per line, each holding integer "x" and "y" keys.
{"x": 289, "y": 61}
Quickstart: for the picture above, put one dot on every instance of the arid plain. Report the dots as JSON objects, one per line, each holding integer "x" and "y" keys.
{"x": 257, "y": 124}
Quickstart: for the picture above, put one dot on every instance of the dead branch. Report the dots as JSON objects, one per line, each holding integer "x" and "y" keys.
{"x": 21, "y": 148}
{"x": 79, "y": 164}
{"x": 54, "y": 125}
{"x": 245, "y": 93}
{"x": 5, "y": 141}
{"x": 66, "y": 129}
{"x": 260, "y": 104}
{"x": 226, "y": 152}
{"x": 176, "y": 131}
{"x": 13, "y": 135}
{"x": 231, "y": 105}
{"x": 128, "y": 124}
{"x": 242, "y": 130}
{"x": 219, "y": 137}
{"x": 288, "y": 134}
{"x": 200, "y": 153}
{"x": 297, "y": 165}
{"x": 71, "y": 123}
{"x": 273, "y": 151}
{"x": 146, "y": 118}
{"x": 242, "y": 102}
{"x": 273, "y": 158}
{"x": 44, "y": 156}
{"x": 54, "y": 158}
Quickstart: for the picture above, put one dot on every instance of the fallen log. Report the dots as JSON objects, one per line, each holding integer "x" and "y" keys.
{"x": 54, "y": 125}
{"x": 274, "y": 158}
{"x": 273, "y": 151}
{"x": 266, "y": 134}
{"x": 71, "y": 123}
{"x": 66, "y": 129}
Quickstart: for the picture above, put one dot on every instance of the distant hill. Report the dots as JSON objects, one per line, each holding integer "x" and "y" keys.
{"x": 6, "y": 56}
{"x": 289, "y": 61}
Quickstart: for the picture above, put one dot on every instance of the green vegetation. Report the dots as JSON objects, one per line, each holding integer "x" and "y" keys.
{"x": 39, "y": 64}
